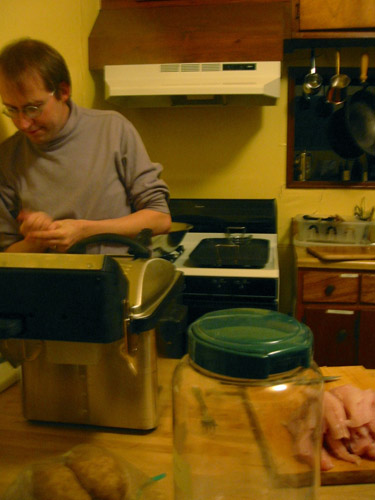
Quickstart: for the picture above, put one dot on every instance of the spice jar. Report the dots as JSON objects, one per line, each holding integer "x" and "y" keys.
{"x": 247, "y": 409}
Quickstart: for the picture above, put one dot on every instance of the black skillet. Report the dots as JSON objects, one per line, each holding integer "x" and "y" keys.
{"x": 339, "y": 136}
{"x": 339, "y": 133}
{"x": 360, "y": 113}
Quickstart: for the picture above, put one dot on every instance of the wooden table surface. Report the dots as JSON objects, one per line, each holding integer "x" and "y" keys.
{"x": 23, "y": 443}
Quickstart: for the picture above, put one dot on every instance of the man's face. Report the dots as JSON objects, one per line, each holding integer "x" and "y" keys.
{"x": 54, "y": 112}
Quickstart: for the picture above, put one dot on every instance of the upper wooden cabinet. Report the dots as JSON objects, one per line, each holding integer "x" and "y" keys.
{"x": 178, "y": 31}
{"x": 333, "y": 18}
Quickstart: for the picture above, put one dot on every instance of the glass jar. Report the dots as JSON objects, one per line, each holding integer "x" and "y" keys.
{"x": 247, "y": 409}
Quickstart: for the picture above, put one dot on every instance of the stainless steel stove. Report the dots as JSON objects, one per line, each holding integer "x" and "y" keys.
{"x": 209, "y": 288}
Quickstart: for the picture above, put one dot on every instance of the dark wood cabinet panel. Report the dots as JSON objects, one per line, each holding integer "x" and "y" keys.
{"x": 366, "y": 347}
{"x": 339, "y": 308}
{"x": 368, "y": 289}
{"x": 333, "y": 19}
{"x": 330, "y": 287}
{"x": 334, "y": 335}
{"x": 336, "y": 15}
{"x": 150, "y": 32}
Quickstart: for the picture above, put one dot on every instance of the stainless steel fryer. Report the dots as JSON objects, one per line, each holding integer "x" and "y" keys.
{"x": 83, "y": 329}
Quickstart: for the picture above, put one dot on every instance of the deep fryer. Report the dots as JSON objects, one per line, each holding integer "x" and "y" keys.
{"x": 83, "y": 329}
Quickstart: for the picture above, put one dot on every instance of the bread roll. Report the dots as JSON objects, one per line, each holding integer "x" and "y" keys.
{"x": 98, "y": 472}
{"x": 54, "y": 481}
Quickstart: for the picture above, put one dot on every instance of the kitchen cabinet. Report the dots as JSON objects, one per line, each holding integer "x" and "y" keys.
{"x": 309, "y": 128}
{"x": 334, "y": 334}
{"x": 179, "y": 31}
{"x": 366, "y": 337}
{"x": 337, "y": 301}
{"x": 333, "y": 19}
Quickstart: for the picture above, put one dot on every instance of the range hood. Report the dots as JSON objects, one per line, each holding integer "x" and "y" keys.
{"x": 178, "y": 84}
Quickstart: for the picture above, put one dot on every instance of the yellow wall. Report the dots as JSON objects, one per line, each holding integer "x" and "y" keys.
{"x": 63, "y": 24}
{"x": 218, "y": 152}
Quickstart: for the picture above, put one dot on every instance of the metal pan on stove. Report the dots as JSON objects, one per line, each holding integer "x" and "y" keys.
{"x": 222, "y": 252}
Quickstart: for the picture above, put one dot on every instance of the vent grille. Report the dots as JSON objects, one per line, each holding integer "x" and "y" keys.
{"x": 169, "y": 68}
{"x": 190, "y": 67}
{"x": 211, "y": 67}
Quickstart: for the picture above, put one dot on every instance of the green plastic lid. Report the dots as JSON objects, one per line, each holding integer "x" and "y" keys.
{"x": 249, "y": 343}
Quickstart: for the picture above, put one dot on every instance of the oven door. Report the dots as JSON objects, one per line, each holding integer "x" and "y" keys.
{"x": 206, "y": 294}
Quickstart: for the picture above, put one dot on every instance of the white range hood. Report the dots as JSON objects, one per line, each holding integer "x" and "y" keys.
{"x": 144, "y": 85}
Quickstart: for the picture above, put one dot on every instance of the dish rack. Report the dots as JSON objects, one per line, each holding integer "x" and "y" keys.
{"x": 347, "y": 230}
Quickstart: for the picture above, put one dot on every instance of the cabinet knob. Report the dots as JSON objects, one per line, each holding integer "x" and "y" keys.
{"x": 329, "y": 290}
{"x": 341, "y": 336}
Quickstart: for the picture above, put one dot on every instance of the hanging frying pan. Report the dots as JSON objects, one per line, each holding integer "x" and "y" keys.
{"x": 339, "y": 136}
{"x": 360, "y": 113}
{"x": 340, "y": 139}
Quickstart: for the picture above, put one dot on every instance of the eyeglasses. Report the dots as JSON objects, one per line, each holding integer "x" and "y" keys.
{"x": 30, "y": 111}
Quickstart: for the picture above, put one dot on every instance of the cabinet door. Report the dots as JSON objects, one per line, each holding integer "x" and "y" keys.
{"x": 320, "y": 286}
{"x": 336, "y": 14}
{"x": 368, "y": 289}
{"x": 334, "y": 335}
{"x": 366, "y": 349}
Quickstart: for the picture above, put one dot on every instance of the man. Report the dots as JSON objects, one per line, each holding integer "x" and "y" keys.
{"x": 68, "y": 172}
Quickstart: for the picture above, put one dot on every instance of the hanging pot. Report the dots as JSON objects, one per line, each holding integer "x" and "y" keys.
{"x": 360, "y": 113}
{"x": 339, "y": 83}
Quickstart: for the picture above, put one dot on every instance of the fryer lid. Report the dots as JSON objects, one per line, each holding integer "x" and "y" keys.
{"x": 224, "y": 252}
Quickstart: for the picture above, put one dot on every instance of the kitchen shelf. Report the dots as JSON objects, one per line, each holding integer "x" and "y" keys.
{"x": 307, "y": 132}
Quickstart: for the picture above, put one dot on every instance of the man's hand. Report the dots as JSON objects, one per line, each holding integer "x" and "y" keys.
{"x": 57, "y": 235}
{"x": 34, "y": 221}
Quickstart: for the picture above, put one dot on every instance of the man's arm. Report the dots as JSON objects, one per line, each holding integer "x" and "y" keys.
{"x": 26, "y": 246}
{"x": 62, "y": 234}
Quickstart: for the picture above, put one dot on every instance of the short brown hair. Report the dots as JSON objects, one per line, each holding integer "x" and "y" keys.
{"x": 27, "y": 55}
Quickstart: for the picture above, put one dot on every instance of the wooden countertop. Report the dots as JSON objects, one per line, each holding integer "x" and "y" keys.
{"x": 23, "y": 442}
{"x": 305, "y": 259}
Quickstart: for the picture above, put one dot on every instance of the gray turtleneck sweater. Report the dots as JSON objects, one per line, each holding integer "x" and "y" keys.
{"x": 97, "y": 168}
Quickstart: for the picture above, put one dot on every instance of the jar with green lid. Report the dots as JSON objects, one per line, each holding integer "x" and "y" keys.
{"x": 247, "y": 409}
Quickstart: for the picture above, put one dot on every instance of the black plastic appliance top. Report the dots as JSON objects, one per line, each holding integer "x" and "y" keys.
{"x": 213, "y": 215}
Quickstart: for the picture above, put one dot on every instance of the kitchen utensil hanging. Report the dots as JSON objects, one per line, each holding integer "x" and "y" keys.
{"x": 339, "y": 136}
{"x": 339, "y": 83}
{"x": 360, "y": 113}
{"x": 313, "y": 81}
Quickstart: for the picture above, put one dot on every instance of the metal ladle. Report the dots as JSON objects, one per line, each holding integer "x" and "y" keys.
{"x": 313, "y": 81}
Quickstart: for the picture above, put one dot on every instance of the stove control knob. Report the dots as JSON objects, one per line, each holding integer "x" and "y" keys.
{"x": 218, "y": 283}
{"x": 239, "y": 284}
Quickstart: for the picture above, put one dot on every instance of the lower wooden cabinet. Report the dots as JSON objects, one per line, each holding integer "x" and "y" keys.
{"x": 334, "y": 335}
{"x": 366, "y": 340}
{"x": 339, "y": 307}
